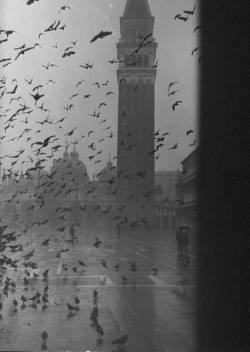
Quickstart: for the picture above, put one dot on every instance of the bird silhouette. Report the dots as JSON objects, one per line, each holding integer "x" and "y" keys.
{"x": 44, "y": 335}
{"x": 175, "y": 146}
{"x": 77, "y": 300}
{"x": 87, "y": 66}
{"x": 71, "y": 307}
{"x": 79, "y": 83}
{"x": 100, "y": 35}
{"x": 86, "y": 96}
{"x": 37, "y": 97}
{"x": 104, "y": 263}
{"x": 172, "y": 93}
{"x": 15, "y": 302}
{"x": 13, "y": 91}
{"x": 23, "y": 51}
{"x": 74, "y": 96}
{"x": 194, "y": 51}
{"x": 180, "y": 17}
{"x": 29, "y": 81}
{"x": 178, "y": 102}
{"x": 3, "y": 41}
{"x": 110, "y": 93}
{"x": 30, "y": 2}
{"x": 171, "y": 85}
{"x": 133, "y": 266}
{"x": 197, "y": 28}
{"x": 102, "y": 104}
{"x": 44, "y": 143}
{"x": 62, "y": 27}
{"x": 63, "y": 8}
{"x": 53, "y": 27}
{"x": 5, "y": 59}
{"x": 190, "y": 12}
{"x": 155, "y": 271}
{"x": 49, "y": 65}
{"x": 97, "y": 243}
{"x": 82, "y": 263}
{"x": 8, "y": 32}
{"x": 68, "y": 53}
{"x": 37, "y": 87}
{"x": 70, "y": 133}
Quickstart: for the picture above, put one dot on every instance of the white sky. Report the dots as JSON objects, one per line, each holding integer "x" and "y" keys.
{"x": 86, "y": 18}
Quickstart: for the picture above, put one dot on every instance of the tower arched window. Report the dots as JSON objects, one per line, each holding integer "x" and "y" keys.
{"x": 139, "y": 60}
{"x": 146, "y": 60}
{"x": 133, "y": 59}
{"x": 127, "y": 60}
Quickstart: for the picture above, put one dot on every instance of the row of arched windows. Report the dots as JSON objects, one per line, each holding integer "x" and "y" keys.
{"x": 137, "y": 60}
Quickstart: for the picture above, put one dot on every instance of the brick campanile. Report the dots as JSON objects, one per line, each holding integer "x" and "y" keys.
{"x": 136, "y": 78}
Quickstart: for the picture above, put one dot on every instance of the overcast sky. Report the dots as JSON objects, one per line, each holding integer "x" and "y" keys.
{"x": 176, "y": 41}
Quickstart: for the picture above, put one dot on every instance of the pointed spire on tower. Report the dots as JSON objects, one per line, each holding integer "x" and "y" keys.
{"x": 109, "y": 163}
{"x": 137, "y": 9}
{"x": 66, "y": 153}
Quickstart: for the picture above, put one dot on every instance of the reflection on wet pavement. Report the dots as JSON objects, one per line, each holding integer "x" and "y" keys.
{"x": 144, "y": 291}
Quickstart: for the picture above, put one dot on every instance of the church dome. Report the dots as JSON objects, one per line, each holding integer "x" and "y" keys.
{"x": 107, "y": 172}
{"x": 66, "y": 154}
{"x": 74, "y": 154}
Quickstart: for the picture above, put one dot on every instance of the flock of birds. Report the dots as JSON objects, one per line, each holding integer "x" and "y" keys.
{"x": 9, "y": 118}
{"x": 40, "y": 149}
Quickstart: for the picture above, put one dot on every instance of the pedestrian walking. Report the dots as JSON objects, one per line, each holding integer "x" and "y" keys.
{"x": 119, "y": 230}
{"x": 72, "y": 233}
{"x": 95, "y": 297}
{"x": 179, "y": 241}
{"x": 185, "y": 240}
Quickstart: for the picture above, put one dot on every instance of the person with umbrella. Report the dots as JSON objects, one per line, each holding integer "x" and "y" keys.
{"x": 184, "y": 240}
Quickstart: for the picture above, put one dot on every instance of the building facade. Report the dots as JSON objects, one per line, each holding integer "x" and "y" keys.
{"x": 136, "y": 79}
{"x": 166, "y": 199}
{"x": 89, "y": 202}
{"x": 39, "y": 194}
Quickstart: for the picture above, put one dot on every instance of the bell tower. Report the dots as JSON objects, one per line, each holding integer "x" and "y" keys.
{"x": 136, "y": 79}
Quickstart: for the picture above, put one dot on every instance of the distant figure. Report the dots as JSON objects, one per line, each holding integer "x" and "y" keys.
{"x": 72, "y": 233}
{"x": 185, "y": 240}
{"x": 119, "y": 230}
{"x": 179, "y": 241}
{"x": 182, "y": 240}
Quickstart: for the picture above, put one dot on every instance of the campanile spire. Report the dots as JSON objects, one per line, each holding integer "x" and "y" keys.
{"x": 136, "y": 78}
{"x": 137, "y": 9}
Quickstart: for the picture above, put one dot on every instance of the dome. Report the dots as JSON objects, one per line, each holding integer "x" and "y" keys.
{"x": 66, "y": 154}
{"x": 107, "y": 172}
{"x": 74, "y": 154}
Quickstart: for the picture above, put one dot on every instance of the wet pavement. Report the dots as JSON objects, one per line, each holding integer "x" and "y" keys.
{"x": 155, "y": 308}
